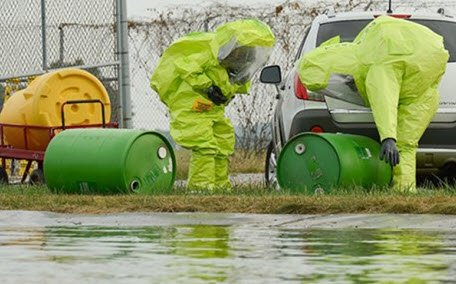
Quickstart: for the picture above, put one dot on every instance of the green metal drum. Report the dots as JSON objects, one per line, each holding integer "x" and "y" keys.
{"x": 314, "y": 163}
{"x": 109, "y": 161}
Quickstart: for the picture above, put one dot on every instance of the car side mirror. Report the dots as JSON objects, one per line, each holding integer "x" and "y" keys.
{"x": 271, "y": 75}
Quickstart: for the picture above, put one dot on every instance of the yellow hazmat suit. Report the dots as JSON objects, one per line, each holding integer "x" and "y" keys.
{"x": 397, "y": 66}
{"x": 186, "y": 76}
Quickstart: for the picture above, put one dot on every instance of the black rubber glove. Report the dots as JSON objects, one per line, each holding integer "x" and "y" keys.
{"x": 389, "y": 152}
{"x": 216, "y": 96}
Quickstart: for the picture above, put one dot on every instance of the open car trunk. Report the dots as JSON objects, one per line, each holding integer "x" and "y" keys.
{"x": 346, "y": 105}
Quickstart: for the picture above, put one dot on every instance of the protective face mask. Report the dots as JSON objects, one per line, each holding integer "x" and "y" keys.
{"x": 242, "y": 68}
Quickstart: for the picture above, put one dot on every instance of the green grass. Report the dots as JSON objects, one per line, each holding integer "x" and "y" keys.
{"x": 249, "y": 199}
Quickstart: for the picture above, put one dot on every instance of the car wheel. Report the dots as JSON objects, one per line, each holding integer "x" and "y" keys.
{"x": 3, "y": 176}
{"x": 270, "y": 172}
{"x": 37, "y": 177}
{"x": 447, "y": 174}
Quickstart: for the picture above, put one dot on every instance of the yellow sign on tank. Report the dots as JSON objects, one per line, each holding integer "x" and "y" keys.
{"x": 40, "y": 104}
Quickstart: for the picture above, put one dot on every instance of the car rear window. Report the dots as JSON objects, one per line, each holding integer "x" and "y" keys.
{"x": 348, "y": 30}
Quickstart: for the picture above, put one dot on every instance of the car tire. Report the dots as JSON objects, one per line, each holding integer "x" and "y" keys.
{"x": 3, "y": 176}
{"x": 447, "y": 174}
{"x": 37, "y": 177}
{"x": 270, "y": 173}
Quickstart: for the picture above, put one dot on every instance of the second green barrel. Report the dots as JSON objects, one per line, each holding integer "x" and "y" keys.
{"x": 108, "y": 161}
{"x": 313, "y": 163}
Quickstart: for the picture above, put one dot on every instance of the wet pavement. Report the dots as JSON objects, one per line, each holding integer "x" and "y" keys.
{"x": 31, "y": 219}
{"x": 41, "y": 247}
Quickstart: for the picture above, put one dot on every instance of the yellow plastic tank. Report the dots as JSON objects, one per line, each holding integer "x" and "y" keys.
{"x": 40, "y": 105}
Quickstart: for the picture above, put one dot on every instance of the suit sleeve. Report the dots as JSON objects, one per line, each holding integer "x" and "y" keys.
{"x": 191, "y": 70}
{"x": 383, "y": 86}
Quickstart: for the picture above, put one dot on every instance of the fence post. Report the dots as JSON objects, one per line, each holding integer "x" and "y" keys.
{"x": 43, "y": 34}
{"x": 125, "y": 119}
{"x": 61, "y": 45}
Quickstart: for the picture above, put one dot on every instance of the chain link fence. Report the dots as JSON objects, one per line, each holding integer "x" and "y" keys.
{"x": 38, "y": 36}
{"x": 250, "y": 114}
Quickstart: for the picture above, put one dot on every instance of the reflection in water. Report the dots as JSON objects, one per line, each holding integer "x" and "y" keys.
{"x": 212, "y": 254}
{"x": 201, "y": 242}
{"x": 376, "y": 255}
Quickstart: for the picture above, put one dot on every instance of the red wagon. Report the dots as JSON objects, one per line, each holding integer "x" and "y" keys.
{"x": 25, "y": 153}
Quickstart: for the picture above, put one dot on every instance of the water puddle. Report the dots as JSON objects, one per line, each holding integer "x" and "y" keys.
{"x": 224, "y": 249}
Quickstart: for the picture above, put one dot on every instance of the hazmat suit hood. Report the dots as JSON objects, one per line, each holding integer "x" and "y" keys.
{"x": 245, "y": 46}
{"x": 317, "y": 66}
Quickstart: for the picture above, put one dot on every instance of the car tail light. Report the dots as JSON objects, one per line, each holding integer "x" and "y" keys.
{"x": 399, "y": 16}
{"x": 302, "y": 93}
{"x": 316, "y": 129}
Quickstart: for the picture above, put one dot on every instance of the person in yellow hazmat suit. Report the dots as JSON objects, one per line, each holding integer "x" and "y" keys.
{"x": 196, "y": 77}
{"x": 397, "y": 66}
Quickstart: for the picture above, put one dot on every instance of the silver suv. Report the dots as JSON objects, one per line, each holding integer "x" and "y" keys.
{"x": 299, "y": 110}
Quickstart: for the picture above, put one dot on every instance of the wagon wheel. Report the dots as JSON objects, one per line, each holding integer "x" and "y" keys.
{"x": 3, "y": 176}
{"x": 37, "y": 177}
